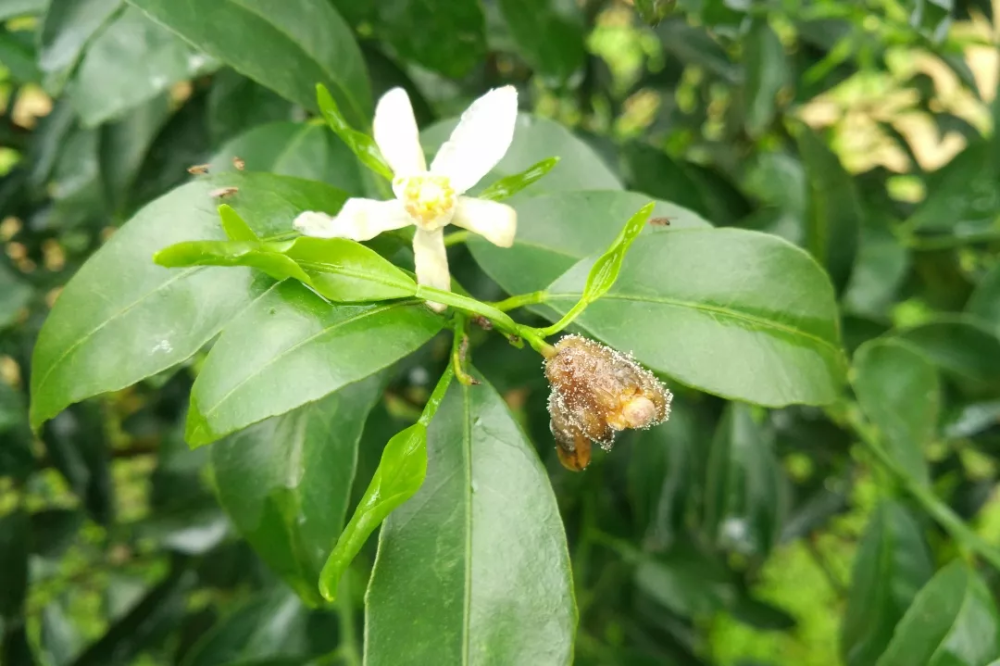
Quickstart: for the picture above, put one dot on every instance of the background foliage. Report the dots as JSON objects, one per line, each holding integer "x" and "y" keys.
{"x": 862, "y": 529}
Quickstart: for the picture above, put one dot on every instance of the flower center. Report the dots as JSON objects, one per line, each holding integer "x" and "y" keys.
{"x": 429, "y": 199}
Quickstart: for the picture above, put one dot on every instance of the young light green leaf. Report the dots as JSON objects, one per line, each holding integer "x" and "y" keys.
{"x": 510, "y": 185}
{"x": 399, "y": 476}
{"x": 235, "y": 226}
{"x": 348, "y": 272}
{"x": 605, "y": 271}
{"x": 230, "y": 253}
{"x": 337, "y": 268}
{"x": 360, "y": 143}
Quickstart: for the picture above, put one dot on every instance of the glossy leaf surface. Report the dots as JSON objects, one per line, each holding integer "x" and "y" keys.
{"x": 292, "y": 347}
{"x": 736, "y": 313}
{"x": 443, "y": 589}
{"x": 122, "y": 318}
{"x": 308, "y": 43}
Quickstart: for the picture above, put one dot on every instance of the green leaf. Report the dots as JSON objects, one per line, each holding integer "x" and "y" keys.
{"x": 306, "y": 42}
{"x": 66, "y": 29}
{"x": 694, "y": 45}
{"x": 898, "y": 389}
{"x": 122, "y": 318}
{"x": 984, "y": 302}
{"x": 963, "y": 349}
{"x": 293, "y": 339}
{"x": 963, "y": 197}
{"x": 237, "y": 105}
{"x": 737, "y": 313}
{"x": 268, "y": 624}
{"x": 362, "y": 145}
{"x": 14, "y": 541}
{"x": 686, "y": 581}
{"x": 286, "y": 482}
{"x": 293, "y": 149}
{"x": 132, "y": 60}
{"x": 537, "y": 139}
{"x": 766, "y": 73}
{"x": 399, "y": 475}
{"x": 881, "y": 266}
{"x": 549, "y": 34}
{"x": 451, "y": 38}
{"x": 17, "y": 53}
{"x": 556, "y": 231}
{"x": 235, "y": 226}
{"x": 952, "y": 622}
{"x": 892, "y": 564}
{"x": 14, "y": 295}
{"x": 744, "y": 489}
{"x": 835, "y": 213}
{"x": 345, "y": 271}
{"x": 228, "y": 253}
{"x": 443, "y": 587}
{"x": 510, "y": 185}
{"x": 605, "y": 270}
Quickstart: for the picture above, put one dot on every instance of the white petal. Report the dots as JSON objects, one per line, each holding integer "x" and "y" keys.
{"x": 359, "y": 219}
{"x": 396, "y": 134}
{"x": 496, "y": 222}
{"x": 480, "y": 140}
{"x": 431, "y": 261}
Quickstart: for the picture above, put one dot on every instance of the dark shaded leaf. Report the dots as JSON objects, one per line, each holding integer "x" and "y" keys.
{"x": 892, "y": 564}
{"x": 286, "y": 482}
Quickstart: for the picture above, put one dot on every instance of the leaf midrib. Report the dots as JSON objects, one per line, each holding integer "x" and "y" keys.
{"x": 702, "y": 307}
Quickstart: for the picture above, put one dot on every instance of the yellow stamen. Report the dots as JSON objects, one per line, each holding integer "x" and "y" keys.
{"x": 429, "y": 200}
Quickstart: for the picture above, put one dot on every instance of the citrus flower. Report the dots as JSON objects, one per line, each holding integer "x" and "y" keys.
{"x": 430, "y": 199}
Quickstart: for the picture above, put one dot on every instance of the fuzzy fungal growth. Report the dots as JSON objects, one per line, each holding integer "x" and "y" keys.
{"x": 596, "y": 393}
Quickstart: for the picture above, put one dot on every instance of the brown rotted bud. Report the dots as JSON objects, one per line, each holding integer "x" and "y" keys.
{"x": 597, "y": 392}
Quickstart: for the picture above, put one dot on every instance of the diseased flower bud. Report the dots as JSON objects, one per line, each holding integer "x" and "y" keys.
{"x": 597, "y": 392}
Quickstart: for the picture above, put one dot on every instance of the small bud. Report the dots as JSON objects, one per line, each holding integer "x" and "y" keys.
{"x": 596, "y": 393}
